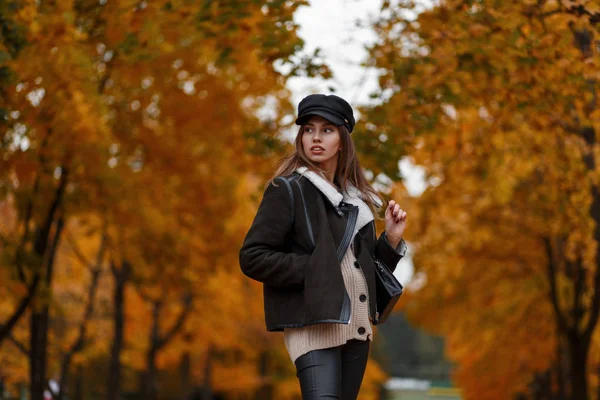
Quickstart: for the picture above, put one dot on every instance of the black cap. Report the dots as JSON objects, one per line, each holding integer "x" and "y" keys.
{"x": 331, "y": 107}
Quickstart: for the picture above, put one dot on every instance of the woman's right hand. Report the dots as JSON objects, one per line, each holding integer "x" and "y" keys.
{"x": 395, "y": 223}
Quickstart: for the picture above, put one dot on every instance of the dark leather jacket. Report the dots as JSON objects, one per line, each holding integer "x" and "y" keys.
{"x": 295, "y": 245}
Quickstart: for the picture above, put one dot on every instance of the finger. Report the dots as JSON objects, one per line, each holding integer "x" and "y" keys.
{"x": 396, "y": 210}
{"x": 404, "y": 215}
{"x": 389, "y": 210}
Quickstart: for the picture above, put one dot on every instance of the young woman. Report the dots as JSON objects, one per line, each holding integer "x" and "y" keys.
{"x": 312, "y": 245}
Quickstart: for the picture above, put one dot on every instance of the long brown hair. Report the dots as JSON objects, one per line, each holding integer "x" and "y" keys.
{"x": 348, "y": 168}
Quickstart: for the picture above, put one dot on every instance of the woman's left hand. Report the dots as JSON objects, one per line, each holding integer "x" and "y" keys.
{"x": 395, "y": 222}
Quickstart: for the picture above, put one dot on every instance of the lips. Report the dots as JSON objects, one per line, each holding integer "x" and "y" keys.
{"x": 317, "y": 148}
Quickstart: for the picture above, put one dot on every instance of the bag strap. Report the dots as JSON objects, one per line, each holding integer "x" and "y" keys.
{"x": 291, "y": 193}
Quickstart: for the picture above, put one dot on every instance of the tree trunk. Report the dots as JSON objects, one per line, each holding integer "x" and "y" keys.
{"x": 598, "y": 375}
{"x": 206, "y": 393}
{"x": 265, "y": 391}
{"x": 78, "y": 392}
{"x": 37, "y": 358}
{"x": 40, "y": 242}
{"x": 578, "y": 357}
{"x": 80, "y": 342}
{"x": 121, "y": 277}
{"x": 560, "y": 368}
{"x": 149, "y": 388}
{"x": 39, "y": 318}
{"x": 185, "y": 366}
{"x": 45, "y": 244}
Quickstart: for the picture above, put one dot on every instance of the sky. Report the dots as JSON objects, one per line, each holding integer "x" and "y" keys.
{"x": 331, "y": 25}
{"x": 341, "y": 29}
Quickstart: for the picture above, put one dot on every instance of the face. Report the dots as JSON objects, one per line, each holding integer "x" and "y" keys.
{"x": 321, "y": 142}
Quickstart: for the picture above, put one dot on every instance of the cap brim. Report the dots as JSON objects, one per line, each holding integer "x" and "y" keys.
{"x": 328, "y": 116}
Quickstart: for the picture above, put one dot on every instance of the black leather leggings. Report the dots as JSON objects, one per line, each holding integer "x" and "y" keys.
{"x": 334, "y": 373}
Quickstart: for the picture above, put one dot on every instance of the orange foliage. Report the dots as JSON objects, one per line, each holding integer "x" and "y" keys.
{"x": 496, "y": 100}
{"x": 162, "y": 117}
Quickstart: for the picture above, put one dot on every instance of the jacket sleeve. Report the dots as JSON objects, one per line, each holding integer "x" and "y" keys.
{"x": 389, "y": 255}
{"x": 264, "y": 255}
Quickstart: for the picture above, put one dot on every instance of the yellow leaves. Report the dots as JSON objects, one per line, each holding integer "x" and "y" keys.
{"x": 8, "y": 217}
{"x": 14, "y": 369}
{"x": 150, "y": 118}
{"x": 87, "y": 124}
{"x": 167, "y": 47}
{"x": 27, "y": 12}
{"x": 478, "y": 30}
{"x": 590, "y": 5}
{"x": 372, "y": 381}
{"x": 511, "y": 103}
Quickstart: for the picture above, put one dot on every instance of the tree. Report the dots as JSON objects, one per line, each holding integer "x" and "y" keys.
{"x": 144, "y": 116}
{"x": 498, "y": 102}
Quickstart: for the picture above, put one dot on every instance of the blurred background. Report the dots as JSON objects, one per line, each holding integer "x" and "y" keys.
{"x": 136, "y": 137}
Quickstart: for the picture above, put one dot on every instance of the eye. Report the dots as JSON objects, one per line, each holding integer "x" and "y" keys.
{"x": 307, "y": 129}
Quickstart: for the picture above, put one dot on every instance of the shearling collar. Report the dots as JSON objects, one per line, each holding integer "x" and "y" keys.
{"x": 351, "y": 196}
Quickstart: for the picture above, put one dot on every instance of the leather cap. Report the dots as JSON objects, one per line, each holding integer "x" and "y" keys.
{"x": 331, "y": 107}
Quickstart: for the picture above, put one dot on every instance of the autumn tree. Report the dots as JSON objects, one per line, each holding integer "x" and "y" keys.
{"x": 139, "y": 114}
{"x": 498, "y": 102}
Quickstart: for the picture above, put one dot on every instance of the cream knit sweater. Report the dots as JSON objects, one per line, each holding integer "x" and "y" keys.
{"x": 300, "y": 341}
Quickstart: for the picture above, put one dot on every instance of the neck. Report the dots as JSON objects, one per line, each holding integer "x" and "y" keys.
{"x": 329, "y": 169}
{"x": 330, "y": 176}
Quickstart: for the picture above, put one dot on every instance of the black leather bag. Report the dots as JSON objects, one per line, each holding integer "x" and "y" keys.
{"x": 387, "y": 288}
{"x": 388, "y": 291}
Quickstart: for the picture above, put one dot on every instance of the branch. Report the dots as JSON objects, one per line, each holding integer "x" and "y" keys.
{"x": 29, "y": 208}
{"x": 591, "y": 106}
{"x": 49, "y": 255}
{"x": 113, "y": 267}
{"x": 580, "y": 10}
{"x": 79, "y": 343}
{"x": 577, "y": 293}
{"x": 595, "y": 308}
{"x": 82, "y": 259}
{"x": 549, "y": 13}
{"x": 23, "y": 305}
{"x": 562, "y": 324}
{"x": 123, "y": 272}
{"x": 147, "y": 298}
{"x": 186, "y": 302}
{"x": 41, "y": 239}
{"x": 565, "y": 125}
{"x": 591, "y": 325}
{"x": 89, "y": 309}
{"x": 19, "y": 345}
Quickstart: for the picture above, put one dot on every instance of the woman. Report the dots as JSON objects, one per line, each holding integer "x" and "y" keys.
{"x": 312, "y": 243}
